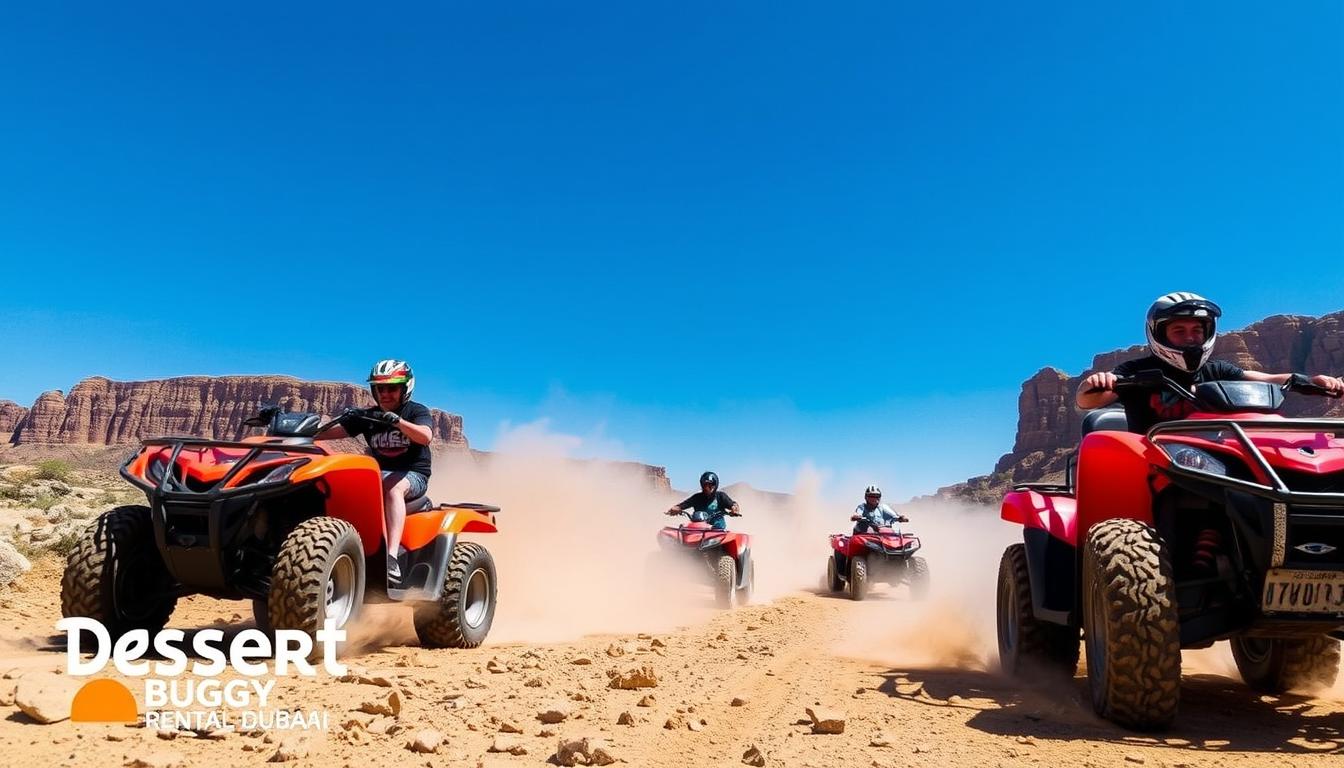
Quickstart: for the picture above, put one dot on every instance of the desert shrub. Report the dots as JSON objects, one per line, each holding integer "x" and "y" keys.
{"x": 54, "y": 469}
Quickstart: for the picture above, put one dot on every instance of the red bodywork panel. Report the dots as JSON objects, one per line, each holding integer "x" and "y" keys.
{"x": 853, "y": 544}
{"x": 1113, "y": 473}
{"x": 1283, "y": 450}
{"x": 691, "y": 534}
{"x": 1055, "y": 513}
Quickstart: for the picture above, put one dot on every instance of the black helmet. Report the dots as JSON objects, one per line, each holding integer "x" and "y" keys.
{"x": 711, "y": 478}
{"x": 1182, "y": 306}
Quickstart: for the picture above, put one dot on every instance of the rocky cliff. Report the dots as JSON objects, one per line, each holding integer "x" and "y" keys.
{"x": 11, "y": 413}
{"x": 1048, "y": 422}
{"x": 99, "y": 411}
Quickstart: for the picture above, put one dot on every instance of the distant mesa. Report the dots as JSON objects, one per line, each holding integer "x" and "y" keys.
{"x": 101, "y": 413}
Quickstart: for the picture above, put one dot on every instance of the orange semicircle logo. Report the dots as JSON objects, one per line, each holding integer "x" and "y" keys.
{"x": 103, "y": 701}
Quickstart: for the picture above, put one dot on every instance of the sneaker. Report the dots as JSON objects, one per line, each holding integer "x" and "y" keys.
{"x": 393, "y": 573}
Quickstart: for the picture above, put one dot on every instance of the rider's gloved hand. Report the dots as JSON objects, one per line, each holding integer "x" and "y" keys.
{"x": 902, "y": 519}
{"x": 856, "y": 518}
{"x": 351, "y": 414}
{"x": 387, "y": 417}
{"x": 734, "y": 514}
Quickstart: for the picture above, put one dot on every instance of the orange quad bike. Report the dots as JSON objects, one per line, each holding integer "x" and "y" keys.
{"x": 282, "y": 521}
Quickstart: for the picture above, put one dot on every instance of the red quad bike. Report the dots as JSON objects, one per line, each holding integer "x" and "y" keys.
{"x": 1226, "y": 525}
{"x": 726, "y": 555}
{"x": 886, "y": 555}
{"x": 286, "y": 523}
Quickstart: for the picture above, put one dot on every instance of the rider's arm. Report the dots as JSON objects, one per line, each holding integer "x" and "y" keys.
{"x": 726, "y": 502}
{"x": 1271, "y": 378}
{"x": 1329, "y": 382}
{"x": 419, "y": 433}
{"x": 1102, "y": 380}
{"x": 417, "y": 424}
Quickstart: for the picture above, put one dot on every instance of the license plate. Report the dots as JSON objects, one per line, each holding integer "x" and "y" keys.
{"x": 1304, "y": 591}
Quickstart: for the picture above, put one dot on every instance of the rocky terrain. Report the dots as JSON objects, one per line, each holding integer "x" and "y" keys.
{"x": 1048, "y": 422}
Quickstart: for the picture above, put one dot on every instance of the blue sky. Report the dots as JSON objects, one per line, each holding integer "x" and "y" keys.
{"x": 730, "y": 235}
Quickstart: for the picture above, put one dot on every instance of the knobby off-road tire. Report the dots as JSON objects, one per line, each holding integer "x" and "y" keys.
{"x": 833, "y": 580}
{"x": 1131, "y": 629}
{"x": 318, "y": 574}
{"x": 1027, "y": 645}
{"x": 464, "y": 612}
{"x": 725, "y": 581}
{"x": 1286, "y": 664}
{"x": 919, "y": 578}
{"x": 858, "y": 577}
{"x": 115, "y": 574}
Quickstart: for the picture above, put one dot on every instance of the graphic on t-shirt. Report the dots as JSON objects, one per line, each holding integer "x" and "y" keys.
{"x": 393, "y": 442}
{"x": 1169, "y": 407}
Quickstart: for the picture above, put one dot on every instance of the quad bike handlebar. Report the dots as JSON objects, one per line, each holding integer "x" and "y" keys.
{"x": 1155, "y": 380}
{"x": 899, "y": 518}
{"x": 711, "y": 518}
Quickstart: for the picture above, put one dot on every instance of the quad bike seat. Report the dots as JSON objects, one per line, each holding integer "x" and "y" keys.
{"x": 1105, "y": 419}
{"x": 419, "y": 504}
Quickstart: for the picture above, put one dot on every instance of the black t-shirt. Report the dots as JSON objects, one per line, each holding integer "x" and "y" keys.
{"x": 390, "y": 446}
{"x": 708, "y": 502}
{"x": 1143, "y": 408}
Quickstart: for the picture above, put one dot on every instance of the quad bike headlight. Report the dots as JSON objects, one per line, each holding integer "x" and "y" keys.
{"x": 710, "y": 542}
{"x": 281, "y": 474}
{"x": 1196, "y": 459}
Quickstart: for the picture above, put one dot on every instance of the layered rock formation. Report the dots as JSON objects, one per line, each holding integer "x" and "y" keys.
{"x": 99, "y": 411}
{"x": 11, "y": 413}
{"x": 1048, "y": 422}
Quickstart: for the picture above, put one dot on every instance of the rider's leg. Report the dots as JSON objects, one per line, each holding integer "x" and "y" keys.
{"x": 395, "y": 486}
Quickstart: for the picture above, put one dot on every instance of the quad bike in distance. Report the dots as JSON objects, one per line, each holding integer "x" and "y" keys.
{"x": 725, "y": 555}
{"x": 286, "y": 523}
{"x": 1226, "y": 525}
{"x": 883, "y": 554}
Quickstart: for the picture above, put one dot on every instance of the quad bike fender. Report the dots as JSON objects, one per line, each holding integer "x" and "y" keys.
{"x": 1055, "y": 514}
{"x": 1114, "y": 479}
{"x": 744, "y": 568}
{"x": 736, "y": 544}
{"x": 422, "y": 527}
{"x": 1052, "y": 570}
{"x": 353, "y": 489}
{"x": 425, "y": 570}
{"x": 840, "y": 543}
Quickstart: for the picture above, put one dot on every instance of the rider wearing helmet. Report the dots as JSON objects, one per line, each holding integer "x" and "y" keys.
{"x": 872, "y": 513}
{"x": 1181, "y": 329}
{"x": 709, "y": 500}
{"x": 398, "y": 432}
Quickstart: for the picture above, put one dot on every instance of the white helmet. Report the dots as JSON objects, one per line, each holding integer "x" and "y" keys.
{"x": 872, "y": 490}
{"x": 1176, "y": 306}
{"x": 392, "y": 372}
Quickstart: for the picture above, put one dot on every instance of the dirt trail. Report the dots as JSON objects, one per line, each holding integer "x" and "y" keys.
{"x": 799, "y": 650}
